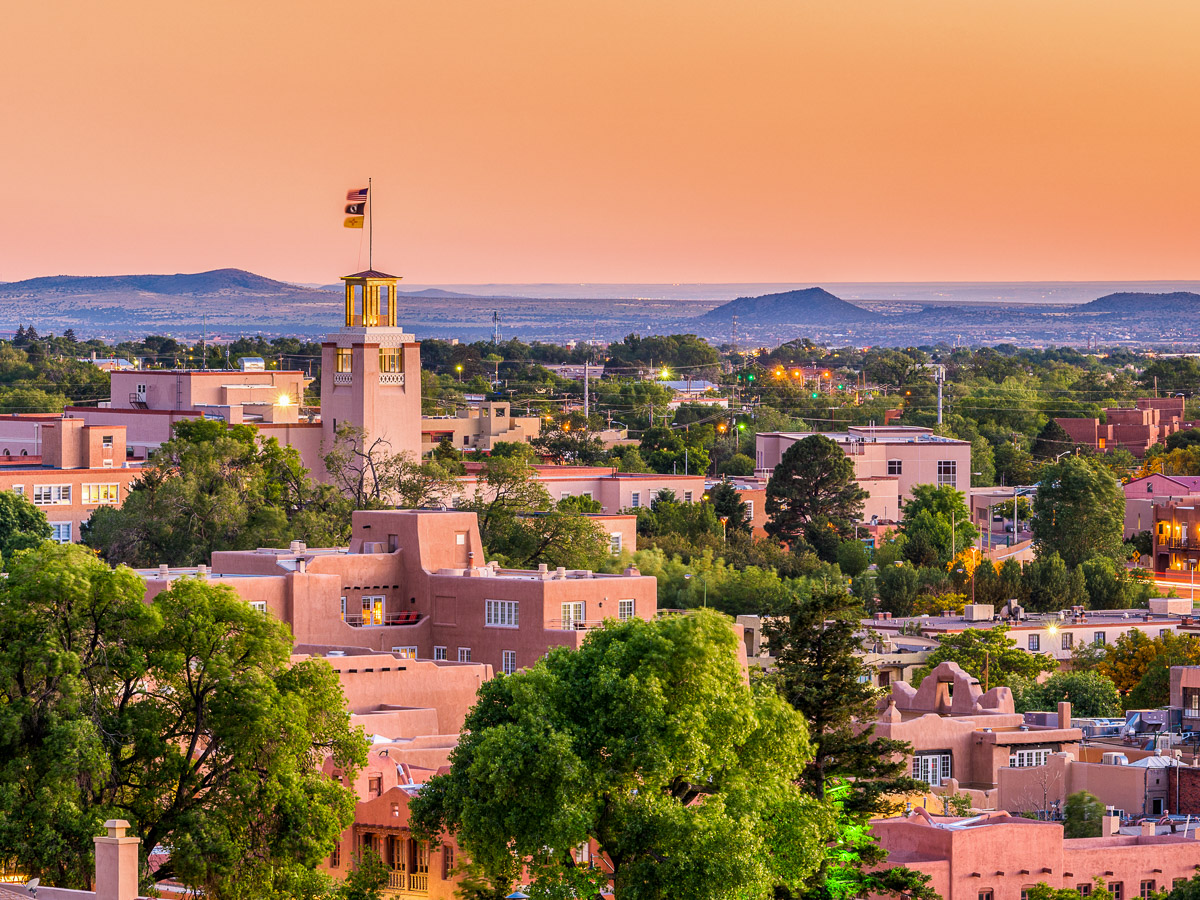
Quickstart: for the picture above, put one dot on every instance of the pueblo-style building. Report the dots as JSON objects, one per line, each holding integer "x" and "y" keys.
{"x": 415, "y": 583}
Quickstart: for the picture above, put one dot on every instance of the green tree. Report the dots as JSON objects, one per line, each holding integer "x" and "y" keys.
{"x": 1090, "y": 694}
{"x": 737, "y": 465}
{"x": 988, "y": 654}
{"x": 939, "y": 518}
{"x": 22, "y": 525}
{"x": 668, "y": 721}
{"x": 1083, "y": 815}
{"x": 1108, "y": 587}
{"x": 814, "y": 480}
{"x": 570, "y": 442}
{"x": 1079, "y": 511}
{"x": 213, "y": 487}
{"x": 183, "y": 716}
{"x": 727, "y": 502}
{"x": 372, "y": 477}
{"x": 1014, "y": 464}
{"x": 853, "y": 559}
{"x": 817, "y": 644}
{"x": 1048, "y": 583}
{"x": 897, "y": 586}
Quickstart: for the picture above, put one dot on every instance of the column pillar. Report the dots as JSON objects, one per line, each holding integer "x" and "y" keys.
{"x": 116, "y": 862}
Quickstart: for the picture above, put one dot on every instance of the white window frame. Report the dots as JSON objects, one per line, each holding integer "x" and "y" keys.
{"x": 947, "y": 472}
{"x": 614, "y": 542}
{"x": 501, "y": 613}
{"x": 687, "y": 496}
{"x": 626, "y": 609}
{"x": 932, "y": 768}
{"x": 100, "y": 494}
{"x": 106, "y": 441}
{"x": 374, "y": 614}
{"x": 749, "y": 509}
{"x": 405, "y": 652}
{"x": 573, "y": 613}
{"x": 1035, "y": 643}
{"x": 897, "y": 465}
{"x": 508, "y": 661}
{"x": 19, "y": 490}
{"x": 52, "y": 495}
{"x": 464, "y": 654}
{"x": 635, "y": 500}
{"x": 259, "y": 606}
{"x": 439, "y": 652}
{"x": 61, "y": 532}
{"x": 1024, "y": 759}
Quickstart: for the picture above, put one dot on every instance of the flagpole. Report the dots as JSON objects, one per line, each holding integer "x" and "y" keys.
{"x": 371, "y": 229}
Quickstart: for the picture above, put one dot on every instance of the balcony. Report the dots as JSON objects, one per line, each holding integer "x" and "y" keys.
{"x": 418, "y": 883}
{"x": 408, "y": 882}
{"x": 397, "y": 879}
{"x": 388, "y": 619}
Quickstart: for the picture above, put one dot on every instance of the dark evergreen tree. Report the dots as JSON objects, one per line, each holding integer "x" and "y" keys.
{"x": 1051, "y": 441}
{"x": 814, "y": 479}
{"x": 816, "y": 644}
{"x": 727, "y": 503}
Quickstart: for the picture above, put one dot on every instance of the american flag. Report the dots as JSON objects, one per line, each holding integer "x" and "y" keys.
{"x": 353, "y": 196}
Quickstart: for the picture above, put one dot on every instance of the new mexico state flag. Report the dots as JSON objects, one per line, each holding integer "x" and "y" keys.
{"x": 353, "y": 221}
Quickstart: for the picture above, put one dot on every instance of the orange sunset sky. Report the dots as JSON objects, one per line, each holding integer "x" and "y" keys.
{"x": 627, "y": 140}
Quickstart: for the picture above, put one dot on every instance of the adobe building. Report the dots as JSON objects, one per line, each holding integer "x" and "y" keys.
{"x": 1151, "y": 420}
{"x": 1176, "y": 540}
{"x": 1143, "y": 495}
{"x": 371, "y": 370}
{"x": 68, "y": 469}
{"x": 1132, "y": 789}
{"x": 888, "y": 461}
{"x": 962, "y": 736}
{"x": 1000, "y": 857}
{"x": 415, "y": 583}
{"x": 479, "y": 427}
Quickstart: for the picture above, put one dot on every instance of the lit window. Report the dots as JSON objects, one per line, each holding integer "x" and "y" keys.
{"x": 464, "y": 654}
{"x": 405, "y": 652}
{"x": 372, "y": 610}
{"x": 345, "y": 360}
{"x": 389, "y": 359}
{"x": 101, "y": 493}
{"x": 625, "y": 609}
{"x": 509, "y": 662}
{"x": 501, "y": 613}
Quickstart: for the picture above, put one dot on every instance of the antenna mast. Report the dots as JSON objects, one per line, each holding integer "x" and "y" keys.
{"x": 371, "y": 227}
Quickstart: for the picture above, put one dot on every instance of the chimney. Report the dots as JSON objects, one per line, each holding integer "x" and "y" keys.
{"x": 116, "y": 863}
{"x": 1064, "y": 714}
{"x": 1148, "y": 828}
{"x": 164, "y": 571}
{"x": 202, "y": 572}
{"x": 1110, "y": 825}
{"x": 294, "y": 547}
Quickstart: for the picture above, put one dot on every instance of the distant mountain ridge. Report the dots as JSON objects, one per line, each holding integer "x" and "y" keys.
{"x": 810, "y": 306}
{"x": 213, "y": 282}
{"x": 1128, "y": 303}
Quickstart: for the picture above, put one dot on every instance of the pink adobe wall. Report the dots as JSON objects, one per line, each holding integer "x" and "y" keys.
{"x": 182, "y": 389}
{"x": 1038, "y": 787}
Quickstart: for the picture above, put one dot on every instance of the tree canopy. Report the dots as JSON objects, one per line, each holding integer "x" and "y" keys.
{"x": 1079, "y": 511}
{"x": 182, "y": 716}
{"x": 813, "y": 483}
{"x": 989, "y": 654}
{"x": 648, "y": 741}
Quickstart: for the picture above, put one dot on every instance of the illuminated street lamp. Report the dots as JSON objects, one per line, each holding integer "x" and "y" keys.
{"x": 458, "y": 369}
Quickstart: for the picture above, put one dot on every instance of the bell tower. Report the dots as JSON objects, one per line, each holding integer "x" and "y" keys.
{"x": 371, "y": 369}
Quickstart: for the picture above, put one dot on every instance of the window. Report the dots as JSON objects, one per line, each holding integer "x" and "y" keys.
{"x": 375, "y": 785}
{"x": 464, "y": 654}
{"x": 1025, "y": 891}
{"x": 1085, "y": 889}
{"x": 345, "y": 360}
{"x": 1023, "y": 759}
{"x": 1162, "y": 632}
{"x": 335, "y": 858}
{"x": 460, "y": 538}
{"x": 572, "y": 614}
{"x": 447, "y": 862}
{"x": 1147, "y": 889}
{"x": 422, "y": 866}
{"x": 1098, "y": 637}
{"x": 750, "y": 510}
{"x": 101, "y": 493}
{"x": 500, "y": 613}
{"x": 635, "y": 500}
{"x": 986, "y": 894}
{"x": 614, "y": 542}
{"x": 372, "y": 610}
{"x": 564, "y": 495}
{"x": 405, "y": 652}
{"x": 439, "y": 652}
{"x": 52, "y": 494}
{"x": 508, "y": 663}
{"x": 19, "y": 490}
{"x": 1035, "y": 642}
{"x": 1117, "y": 889}
{"x": 947, "y": 472}
{"x": 1068, "y": 640}
{"x": 389, "y": 359}
{"x": 687, "y": 496}
{"x": 932, "y": 768}
{"x": 625, "y": 609}
{"x": 259, "y": 606}
{"x": 896, "y": 467}
{"x": 60, "y": 532}
{"x": 106, "y": 441}
{"x": 587, "y": 494}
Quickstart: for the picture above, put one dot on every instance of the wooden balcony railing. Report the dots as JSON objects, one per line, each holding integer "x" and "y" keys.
{"x": 398, "y": 618}
{"x": 397, "y": 880}
{"x": 418, "y": 882}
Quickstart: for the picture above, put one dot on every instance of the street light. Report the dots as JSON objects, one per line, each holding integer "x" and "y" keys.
{"x": 458, "y": 369}
{"x": 724, "y": 519}
{"x": 703, "y": 581}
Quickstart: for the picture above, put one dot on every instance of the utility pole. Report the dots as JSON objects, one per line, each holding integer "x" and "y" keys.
{"x": 585, "y": 387}
{"x": 941, "y": 377}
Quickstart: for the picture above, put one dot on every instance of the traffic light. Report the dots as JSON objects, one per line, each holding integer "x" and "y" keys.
{"x": 814, "y": 395}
